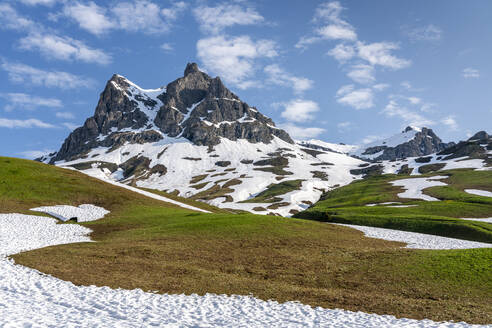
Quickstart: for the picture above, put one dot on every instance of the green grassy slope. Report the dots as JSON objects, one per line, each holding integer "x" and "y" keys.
{"x": 151, "y": 245}
{"x": 347, "y": 205}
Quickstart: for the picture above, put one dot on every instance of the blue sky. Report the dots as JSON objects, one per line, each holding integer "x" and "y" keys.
{"x": 340, "y": 71}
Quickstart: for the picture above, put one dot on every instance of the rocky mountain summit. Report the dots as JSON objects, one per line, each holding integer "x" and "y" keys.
{"x": 411, "y": 142}
{"x": 195, "y": 106}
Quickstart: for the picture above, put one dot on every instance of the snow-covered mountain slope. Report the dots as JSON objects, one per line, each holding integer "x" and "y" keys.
{"x": 411, "y": 142}
{"x": 228, "y": 175}
{"x": 197, "y": 139}
{"x": 328, "y": 146}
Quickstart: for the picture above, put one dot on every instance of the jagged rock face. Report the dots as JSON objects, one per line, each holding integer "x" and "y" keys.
{"x": 475, "y": 147}
{"x": 424, "y": 142}
{"x": 196, "y": 107}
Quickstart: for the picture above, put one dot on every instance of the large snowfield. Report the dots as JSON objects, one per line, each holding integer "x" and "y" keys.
{"x": 29, "y": 298}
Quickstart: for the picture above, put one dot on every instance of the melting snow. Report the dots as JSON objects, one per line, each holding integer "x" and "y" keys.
{"x": 30, "y": 298}
{"x": 83, "y": 213}
{"x": 415, "y": 186}
{"x": 479, "y": 192}
{"x": 489, "y": 220}
{"x": 417, "y": 240}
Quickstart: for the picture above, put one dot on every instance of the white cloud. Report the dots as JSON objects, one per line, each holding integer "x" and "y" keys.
{"x": 25, "y": 101}
{"x": 90, "y": 17}
{"x": 12, "y": 20}
{"x": 329, "y": 11}
{"x": 172, "y": 13}
{"x": 342, "y": 52}
{"x": 379, "y": 53}
{"x": 38, "y": 2}
{"x": 20, "y": 73}
{"x": 132, "y": 16}
{"x": 471, "y": 73}
{"x": 410, "y": 117}
{"x": 425, "y": 33}
{"x": 29, "y": 123}
{"x": 414, "y": 100}
{"x": 361, "y": 73}
{"x": 167, "y": 47}
{"x": 450, "y": 121}
{"x": 337, "y": 32}
{"x": 356, "y": 98}
{"x": 215, "y": 19}
{"x": 234, "y": 58}
{"x": 65, "y": 115}
{"x": 146, "y": 16}
{"x": 334, "y": 28}
{"x": 299, "y": 132}
{"x": 64, "y": 48}
{"x": 299, "y": 110}
{"x": 277, "y": 75}
{"x": 380, "y": 86}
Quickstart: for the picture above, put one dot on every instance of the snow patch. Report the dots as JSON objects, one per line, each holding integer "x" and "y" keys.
{"x": 83, "y": 213}
{"x": 417, "y": 240}
{"x": 415, "y": 186}
{"x": 479, "y": 192}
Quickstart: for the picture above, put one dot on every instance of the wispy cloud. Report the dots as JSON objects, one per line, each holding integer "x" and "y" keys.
{"x": 471, "y": 73}
{"x": 64, "y": 48}
{"x": 25, "y": 101}
{"x": 450, "y": 122}
{"x": 395, "y": 109}
{"x": 39, "y": 2}
{"x": 362, "y": 73}
{"x": 300, "y": 132}
{"x": 12, "y": 20}
{"x": 29, "y": 123}
{"x": 233, "y": 58}
{"x": 356, "y": 98}
{"x": 215, "y": 19}
{"x": 65, "y": 115}
{"x": 167, "y": 47}
{"x": 330, "y": 26}
{"x": 424, "y": 33}
{"x": 379, "y": 53}
{"x": 299, "y": 110}
{"x": 277, "y": 75}
{"x": 21, "y": 73}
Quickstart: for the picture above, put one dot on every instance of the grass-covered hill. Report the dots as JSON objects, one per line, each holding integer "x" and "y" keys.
{"x": 148, "y": 244}
{"x": 348, "y": 205}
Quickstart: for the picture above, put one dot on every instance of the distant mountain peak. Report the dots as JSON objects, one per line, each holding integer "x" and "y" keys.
{"x": 411, "y": 142}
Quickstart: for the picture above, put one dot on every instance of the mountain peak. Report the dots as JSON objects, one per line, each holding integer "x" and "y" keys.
{"x": 191, "y": 68}
{"x": 195, "y": 107}
{"x": 412, "y": 128}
